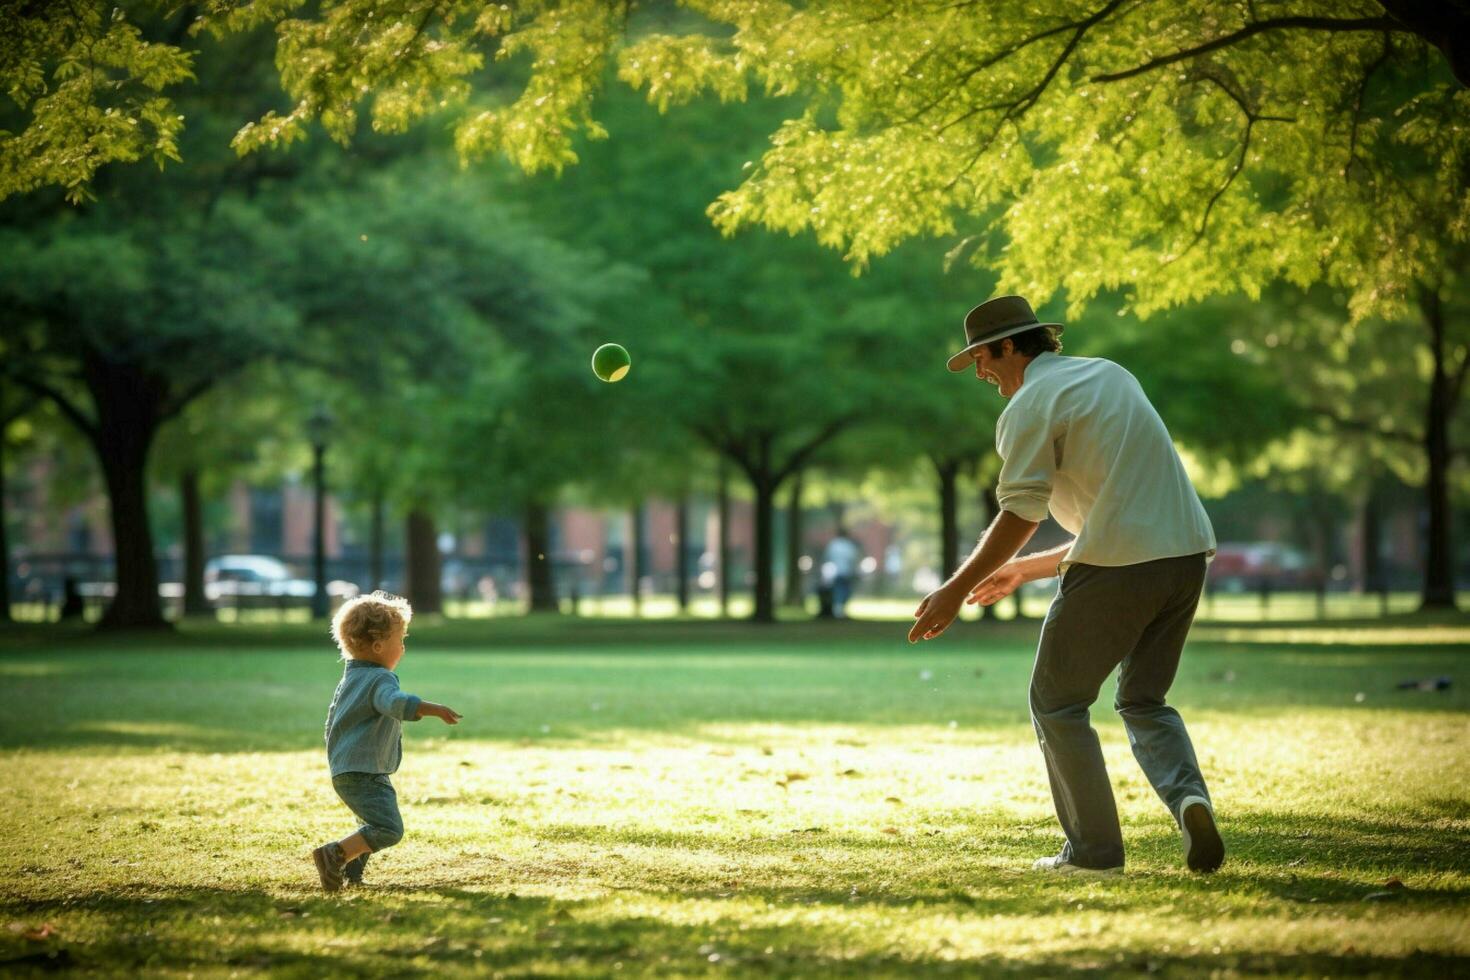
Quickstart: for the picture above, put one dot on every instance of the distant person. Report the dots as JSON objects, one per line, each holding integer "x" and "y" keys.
{"x": 72, "y": 605}
{"x": 1080, "y": 438}
{"x": 839, "y": 569}
{"x": 364, "y": 734}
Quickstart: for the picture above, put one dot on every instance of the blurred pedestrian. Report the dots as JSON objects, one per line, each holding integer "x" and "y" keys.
{"x": 839, "y": 569}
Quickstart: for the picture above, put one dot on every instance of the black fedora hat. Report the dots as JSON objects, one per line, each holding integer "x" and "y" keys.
{"x": 994, "y": 320}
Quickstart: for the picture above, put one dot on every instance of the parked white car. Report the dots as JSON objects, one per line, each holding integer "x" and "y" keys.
{"x": 260, "y": 580}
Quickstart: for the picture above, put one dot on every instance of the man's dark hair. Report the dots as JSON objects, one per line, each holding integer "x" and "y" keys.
{"x": 1034, "y": 341}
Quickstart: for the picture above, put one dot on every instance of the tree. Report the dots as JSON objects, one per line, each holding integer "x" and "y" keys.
{"x": 748, "y": 350}
{"x": 1170, "y": 151}
{"x": 106, "y": 326}
{"x": 14, "y": 406}
{"x": 209, "y": 443}
{"x": 486, "y": 403}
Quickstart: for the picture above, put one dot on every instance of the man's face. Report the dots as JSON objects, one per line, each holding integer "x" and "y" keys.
{"x": 983, "y": 366}
{"x": 1006, "y": 372}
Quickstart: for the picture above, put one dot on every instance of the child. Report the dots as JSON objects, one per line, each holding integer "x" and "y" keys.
{"x": 364, "y": 734}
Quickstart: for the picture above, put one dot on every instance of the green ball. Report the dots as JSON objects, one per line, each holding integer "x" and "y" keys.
{"x": 610, "y": 362}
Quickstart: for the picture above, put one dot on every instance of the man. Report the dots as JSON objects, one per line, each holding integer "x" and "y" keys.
{"x": 1079, "y": 437}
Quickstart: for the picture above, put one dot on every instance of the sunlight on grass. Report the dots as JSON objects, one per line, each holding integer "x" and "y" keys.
{"x": 699, "y": 810}
{"x": 1357, "y": 636}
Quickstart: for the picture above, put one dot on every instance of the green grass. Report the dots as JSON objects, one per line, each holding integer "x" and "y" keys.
{"x": 700, "y": 798}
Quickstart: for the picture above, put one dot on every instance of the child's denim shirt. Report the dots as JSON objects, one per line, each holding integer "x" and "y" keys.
{"x": 364, "y": 730}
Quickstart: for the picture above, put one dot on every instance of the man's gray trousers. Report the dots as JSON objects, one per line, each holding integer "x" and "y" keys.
{"x": 1137, "y": 616}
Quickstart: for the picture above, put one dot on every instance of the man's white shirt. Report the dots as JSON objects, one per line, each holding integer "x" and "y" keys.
{"x": 1079, "y": 437}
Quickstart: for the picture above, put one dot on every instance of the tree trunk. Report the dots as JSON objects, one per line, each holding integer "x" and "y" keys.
{"x": 992, "y": 511}
{"x": 195, "y": 604}
{"x": 795, "y": 580}
{"x": 1375, "y": 579}
{"x": 128, "y": 404}
{"x": 375, "y": 542}
{"x": 724, "y": 509}
{"x": 1439, "y": 577}
{"x": 681, "y": 552}
{"x": 948, "y": 471}
{"x": 421, "y": 578}
{"x": 637, "y": 568}
{"x": 1326, "y": 556}
{"x": 1370, "y": 534}
{"x": 4, "y": 542}
{"x": 765, "y": 518}
{"x": 539, "y": 579}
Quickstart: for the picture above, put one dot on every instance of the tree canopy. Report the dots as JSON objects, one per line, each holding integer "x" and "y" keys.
{"x": 1118, "y": 145}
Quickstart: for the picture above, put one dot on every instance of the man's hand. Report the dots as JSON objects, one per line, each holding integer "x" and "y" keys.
{"x": 1005, "y": 581}
{"x": 935, "y": 613}
{"x": 449, "y": 715}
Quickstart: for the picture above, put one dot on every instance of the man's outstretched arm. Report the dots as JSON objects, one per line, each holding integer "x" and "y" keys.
{"x": 997, "y": 546}
{"x": 1016, "y": 573}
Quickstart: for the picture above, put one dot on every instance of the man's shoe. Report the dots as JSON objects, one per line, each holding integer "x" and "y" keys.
{"x": 329, "y": 863}
{"x": 352, "y": 870}
{"x": 1059, "y": 865}
{"x": 1203, "y": 848}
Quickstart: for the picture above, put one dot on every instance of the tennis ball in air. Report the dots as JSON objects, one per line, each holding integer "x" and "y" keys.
{"x": 610, "y": 362}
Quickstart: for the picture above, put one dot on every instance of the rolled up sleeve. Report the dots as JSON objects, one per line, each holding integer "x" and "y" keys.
{"x": 389, "y": 699}
{"x": 1027, "y": 446}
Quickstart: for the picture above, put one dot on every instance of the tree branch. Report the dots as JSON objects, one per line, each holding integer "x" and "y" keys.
{"x": 1457, "y": 382}
{"x": 20, "y": 411}
{"x": 1018, "y": 107}
{"x": 799, "y": 457}
{"x": 1368, "y": 428}
{"x": 68, "y": 407}
{"x": 176, "y": 405}
{"x": 1352, "y": 153}
{"x": 964, "y": 77}
{"x": 1331, "y": 24}
{"x": 1251, "y": 118}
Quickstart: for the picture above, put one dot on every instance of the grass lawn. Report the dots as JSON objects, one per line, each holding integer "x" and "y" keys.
{"x": 714, "y": 799}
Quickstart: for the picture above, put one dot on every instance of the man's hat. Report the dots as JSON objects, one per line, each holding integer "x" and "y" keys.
{"x": 994, "y": 320}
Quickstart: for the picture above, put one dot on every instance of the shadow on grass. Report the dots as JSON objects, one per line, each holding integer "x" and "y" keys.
{"x": 460, "y": 931}
{"x": 1275, "y": 854}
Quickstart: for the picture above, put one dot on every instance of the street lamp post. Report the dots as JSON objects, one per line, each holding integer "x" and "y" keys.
{"x": 318, "y": 427}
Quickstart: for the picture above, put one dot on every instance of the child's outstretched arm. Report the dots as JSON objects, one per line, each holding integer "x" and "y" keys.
{"x": 391, "y": 700}
{"x": 449, "y": 715}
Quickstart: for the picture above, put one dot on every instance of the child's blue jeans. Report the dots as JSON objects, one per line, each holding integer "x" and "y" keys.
{"x": 371, "y": 797}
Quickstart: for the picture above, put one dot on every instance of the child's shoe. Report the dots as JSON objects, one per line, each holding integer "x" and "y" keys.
{"x": 352, "y": 870}
{"x": 329, "y": 864}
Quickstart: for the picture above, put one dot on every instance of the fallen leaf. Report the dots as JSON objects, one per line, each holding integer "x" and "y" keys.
{"x": 795, "y": 777}
{"x": 893, "y": 799}
{"x": 890, "y": 830}
{"x": 40, "y": 933}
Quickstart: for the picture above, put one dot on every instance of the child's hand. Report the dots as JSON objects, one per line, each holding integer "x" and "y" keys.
{"x": 449, "y": 715}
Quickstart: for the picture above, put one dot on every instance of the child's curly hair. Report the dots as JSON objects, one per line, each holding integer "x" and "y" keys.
{"x": 367, "y": 618}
